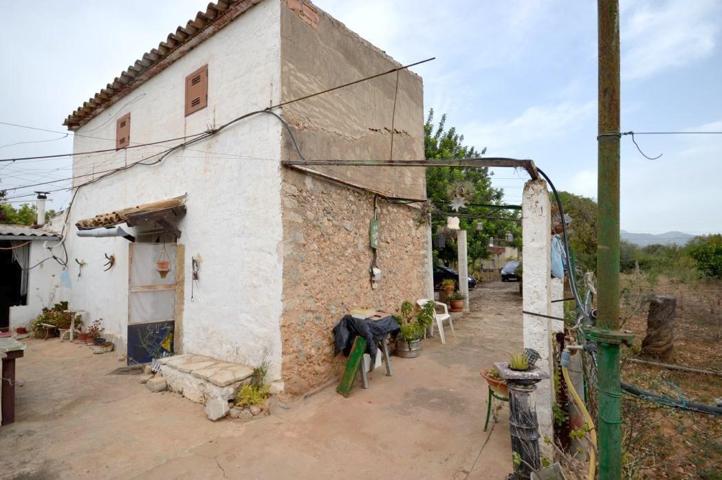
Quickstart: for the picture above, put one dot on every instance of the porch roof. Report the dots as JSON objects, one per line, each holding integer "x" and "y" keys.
{"x": 172, "y": 207}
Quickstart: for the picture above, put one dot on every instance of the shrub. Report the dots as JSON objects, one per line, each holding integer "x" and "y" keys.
{"x": 57, "y": 315}
{"x": 707, "y": 254}
{"x": 250, "y": 395}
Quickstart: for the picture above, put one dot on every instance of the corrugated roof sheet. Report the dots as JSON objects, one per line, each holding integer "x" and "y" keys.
{"x": 25, "y": 231}
{"x": 205, "y": 24}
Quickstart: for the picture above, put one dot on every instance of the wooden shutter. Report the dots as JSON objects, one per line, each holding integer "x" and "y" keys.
{"x": 122, "y": 132}
{"x": 197, "y": 90}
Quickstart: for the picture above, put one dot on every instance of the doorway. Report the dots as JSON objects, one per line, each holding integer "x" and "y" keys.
{"x": 11, "y": 273}
{"x": 154, "y": 283}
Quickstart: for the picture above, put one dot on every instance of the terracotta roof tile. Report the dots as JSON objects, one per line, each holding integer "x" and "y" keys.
{"x": 216, "y": 16}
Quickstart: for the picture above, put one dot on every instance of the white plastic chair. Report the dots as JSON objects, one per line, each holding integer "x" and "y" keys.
{"x": 440, "y": 318}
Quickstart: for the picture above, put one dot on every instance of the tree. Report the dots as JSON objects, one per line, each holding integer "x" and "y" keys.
{"x": 582, "y": 231}
{"x": 25, "y": 214}
{"x": 443, "y": 143}
{"x": 706, "y": 251}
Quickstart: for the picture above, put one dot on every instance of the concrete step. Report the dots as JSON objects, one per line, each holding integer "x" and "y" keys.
{"x": 200, "y": 378}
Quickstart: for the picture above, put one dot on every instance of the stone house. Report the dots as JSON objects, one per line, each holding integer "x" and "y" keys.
{"x": 217, "y": 244}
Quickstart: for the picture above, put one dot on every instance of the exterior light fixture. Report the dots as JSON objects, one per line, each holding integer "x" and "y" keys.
{"x": 509, "y": 237}
{"x": 491, "y": 241}
{"x": 452, "y": 223}
{"x": 479, "y": 226}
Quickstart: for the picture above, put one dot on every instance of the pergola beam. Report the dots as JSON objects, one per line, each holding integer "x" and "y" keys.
{"x": 486, "y": 162}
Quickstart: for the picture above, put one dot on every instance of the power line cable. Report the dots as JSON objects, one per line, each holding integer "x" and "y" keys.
{"x": 279, "y": 105}
{"x": 95, "y": 152}
{"x": 213, "y": 131}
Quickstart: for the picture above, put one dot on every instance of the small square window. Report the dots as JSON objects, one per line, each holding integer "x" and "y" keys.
{"x": 122, "y": 132}
{"x": 196, "y": 90}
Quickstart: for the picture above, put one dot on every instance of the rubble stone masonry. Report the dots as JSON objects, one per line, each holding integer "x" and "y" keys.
{"x": 326, "y": 269}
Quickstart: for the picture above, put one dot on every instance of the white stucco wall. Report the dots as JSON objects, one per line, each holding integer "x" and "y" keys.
{"x": 44, "y": 286}
{"x": 232, "y": 182}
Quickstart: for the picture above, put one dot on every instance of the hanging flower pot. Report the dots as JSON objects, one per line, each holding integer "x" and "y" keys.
{"x": 163, "y": 267}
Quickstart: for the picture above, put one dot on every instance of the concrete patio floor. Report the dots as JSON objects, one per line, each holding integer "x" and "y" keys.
{"x": 74, "y": 420}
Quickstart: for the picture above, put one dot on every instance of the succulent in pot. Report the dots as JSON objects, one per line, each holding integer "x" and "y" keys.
{"x": 519, "y": 362}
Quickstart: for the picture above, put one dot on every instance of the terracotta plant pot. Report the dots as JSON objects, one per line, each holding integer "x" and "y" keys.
{"x": 456, "y": 305}
{"x": 82, "y": 337}
{"x": 163, "y": 267}
{"x": 21, "y": 330}
{"x": 497, "y": 385}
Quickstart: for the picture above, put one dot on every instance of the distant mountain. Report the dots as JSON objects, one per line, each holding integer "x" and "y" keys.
{"x": 644, "y": 239}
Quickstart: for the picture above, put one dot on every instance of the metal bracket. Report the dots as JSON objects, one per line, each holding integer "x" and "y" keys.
{"x": 611, "y": 337}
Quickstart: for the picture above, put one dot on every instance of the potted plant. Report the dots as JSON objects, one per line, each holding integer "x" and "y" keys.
{"x": 519, "y": 362}
{"x": 456, "y": 302}
{"x": 94, "y": 331}
{"x": 448, "y": 285}
{"x": 496, "y": 383}
{"x": 413, "y": 324}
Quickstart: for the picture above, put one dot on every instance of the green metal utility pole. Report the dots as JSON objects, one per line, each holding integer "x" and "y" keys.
{"x": 606, "y": 334}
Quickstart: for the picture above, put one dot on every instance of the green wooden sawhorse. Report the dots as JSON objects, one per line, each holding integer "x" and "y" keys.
{"x": 492, "y": 396}
{"x": 355, "y": 363}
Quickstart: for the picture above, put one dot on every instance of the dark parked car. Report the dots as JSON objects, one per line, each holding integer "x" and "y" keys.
{"x": 509, "y": 272}
{"x": 442, "y": 273}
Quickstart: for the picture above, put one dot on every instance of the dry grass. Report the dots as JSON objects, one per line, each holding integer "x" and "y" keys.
{"x": 661, "y": 442}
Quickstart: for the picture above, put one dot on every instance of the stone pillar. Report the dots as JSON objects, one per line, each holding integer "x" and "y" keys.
{"x": 463, "y": 267}
{"x": 536, "y": 278}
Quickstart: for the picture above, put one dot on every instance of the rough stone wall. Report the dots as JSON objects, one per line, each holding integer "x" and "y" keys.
{"x": 326, "y": 254}
{"x": 326, "y": 269}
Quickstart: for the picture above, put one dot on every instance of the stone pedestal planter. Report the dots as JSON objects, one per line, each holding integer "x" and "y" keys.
{"x": 523, "y": 424}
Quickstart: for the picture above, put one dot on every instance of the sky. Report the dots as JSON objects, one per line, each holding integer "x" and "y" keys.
{"x": 518, "y": 77}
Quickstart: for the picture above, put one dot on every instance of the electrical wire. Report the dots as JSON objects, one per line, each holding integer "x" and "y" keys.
{"x": 16, "y": 246}
{"x": 95, "y": 152}
{"x": 200, "y": 137}
{"x": 565, "y": 242}
{"x": 213, "y": 131}
{"x": 35, "y": 141}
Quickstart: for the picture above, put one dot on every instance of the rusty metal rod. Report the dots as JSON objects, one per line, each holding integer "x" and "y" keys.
{"x": 487, "y": 162}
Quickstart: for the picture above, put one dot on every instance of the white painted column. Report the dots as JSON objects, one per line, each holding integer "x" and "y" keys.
{"x": 429, "y": 262}
{"x": 463, "y": 267}
{"x": 536, "y": 278}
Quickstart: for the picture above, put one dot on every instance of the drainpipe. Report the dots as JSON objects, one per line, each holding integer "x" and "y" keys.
{"x": 40, "y": 208}
{"x": 606, "y": 333}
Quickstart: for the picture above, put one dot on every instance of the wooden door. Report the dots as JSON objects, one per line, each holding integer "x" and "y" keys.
{"x": 152, "y": 296}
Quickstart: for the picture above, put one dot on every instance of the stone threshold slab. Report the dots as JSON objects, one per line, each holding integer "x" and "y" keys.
{"x": 214, "y": 371}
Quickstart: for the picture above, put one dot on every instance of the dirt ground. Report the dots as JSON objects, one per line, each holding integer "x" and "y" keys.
{"x": 77, "y": 420}
{"x": 661, "y": 442}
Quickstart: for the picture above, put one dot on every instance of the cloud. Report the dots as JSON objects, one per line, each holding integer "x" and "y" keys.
{"x": 536, "y": 123}
{"x": 584, "y": 183}
{"x": 378, "y": 21}
{"x": 657, "y": 35}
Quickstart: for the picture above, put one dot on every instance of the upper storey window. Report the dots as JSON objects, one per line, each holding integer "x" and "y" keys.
{"x": 197, "y": 90}
{"x": 122, "y": 132}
